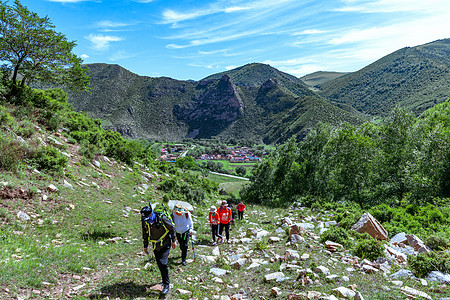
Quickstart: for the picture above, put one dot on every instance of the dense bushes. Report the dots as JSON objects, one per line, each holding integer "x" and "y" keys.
{"x": 50, "y": 159}
{"x": 425, "y": 263}
{"x": 404, "y": 160}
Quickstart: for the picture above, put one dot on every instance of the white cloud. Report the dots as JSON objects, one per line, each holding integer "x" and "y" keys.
{"x": 121, "y": 55}
{"x": 309, "y": 31}
{"x": 84, "y": 56}
{"x": 228, "y": 68}
{"x": 102, "y": 42}
{"x": 388, "y": 6}
{"x": 110, "y": 24}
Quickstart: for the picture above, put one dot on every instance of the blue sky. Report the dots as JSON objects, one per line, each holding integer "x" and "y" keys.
{"x": 187, "y": 39}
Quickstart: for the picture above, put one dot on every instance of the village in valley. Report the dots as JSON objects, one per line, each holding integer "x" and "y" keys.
{"x": 233, "y": 154}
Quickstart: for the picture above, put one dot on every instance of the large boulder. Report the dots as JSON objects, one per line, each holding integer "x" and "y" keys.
{"x": 369, "y": 224}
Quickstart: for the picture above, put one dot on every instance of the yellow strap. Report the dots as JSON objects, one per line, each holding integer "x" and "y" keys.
{"x": 161, "y": 238}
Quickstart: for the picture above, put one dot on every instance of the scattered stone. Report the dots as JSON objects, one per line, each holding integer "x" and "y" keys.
{"x": 274, "y": 276}
{"x": 276, "y": 291}
{"x": 367, "y": 223}
{"x": 274, "y": 239}
{"x": 217, "y": 271}
{"x": 304, "y": 256}
{"x": 399, "y": 238}
{"x": 306, "y": 226}
{"x": 322, "y": 270}
{"x": 402, "y": 273}
{"x": 413, "y": 293}
{"x": 44, "y": 197}
{"x": 216, "y": 251}
{"x": 295, "y": 238}
{"x": 23, "y": 216}
{"x": 438, "y": 276}
{"x": 183, "y": 292}
{"x": 358, "y": 296}
{"x": 52, "y": 188}
{"x": 343, "y": 292}
{"x": 239, "y": 263}
{"x": 96, "y": 163}
{"x": 417, "y": 243}
{"x": 397, "y": 282}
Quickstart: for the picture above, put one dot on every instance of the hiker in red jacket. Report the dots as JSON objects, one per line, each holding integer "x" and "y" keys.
{"x": 240, "y": 208}
{"x": 225, "y": 217}
{"x": 214, "y": 223}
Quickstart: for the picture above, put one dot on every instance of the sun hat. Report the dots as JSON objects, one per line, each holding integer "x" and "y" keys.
{"x": 212, "y": 209}
{"x": 178, "y": 208}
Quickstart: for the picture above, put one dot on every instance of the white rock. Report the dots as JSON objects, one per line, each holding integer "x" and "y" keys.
{"x": 276, "y": 291}
{"x": 216, "y": 251}
{"x": 217, "y": 271}
{"x": 52, "y": 188}
{"x": 344, "y": 292}
{"x": 410, "y": 292}
{"x": 23, "y": 216}
{"x": 322, "y": 270}
{"x": 438, "y": 276}
{"x": 274, "y": 276}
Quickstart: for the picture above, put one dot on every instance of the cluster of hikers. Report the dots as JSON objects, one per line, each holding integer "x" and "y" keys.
{"x": 163, "y": 229}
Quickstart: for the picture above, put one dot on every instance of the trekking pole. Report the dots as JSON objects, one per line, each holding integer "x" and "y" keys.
{"x": 193, "y": 250}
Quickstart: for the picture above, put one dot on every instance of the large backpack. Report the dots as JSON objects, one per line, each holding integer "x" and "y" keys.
{"x": 154, "y": 222}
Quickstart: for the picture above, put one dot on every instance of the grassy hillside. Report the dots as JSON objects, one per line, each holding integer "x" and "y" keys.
{"x": 415, "y": 78}
{"x": 240, "y": 103}
{"x": 320, "y": 77}
{"x": 70, "y": 224}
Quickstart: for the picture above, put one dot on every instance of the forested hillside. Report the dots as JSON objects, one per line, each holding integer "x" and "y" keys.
{"x": 415, "y": 78}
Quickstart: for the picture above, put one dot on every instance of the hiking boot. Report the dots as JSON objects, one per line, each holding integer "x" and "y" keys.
{"x": 213, "y": 244}
{"x": 183, "y": 262}
{"x": 166, "y": 289}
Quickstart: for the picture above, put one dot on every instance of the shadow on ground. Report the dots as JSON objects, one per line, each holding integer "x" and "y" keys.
{"x": 127, "y": 290}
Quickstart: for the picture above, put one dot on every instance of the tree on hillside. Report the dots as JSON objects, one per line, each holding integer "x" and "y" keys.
{"x": 34, "y": 52}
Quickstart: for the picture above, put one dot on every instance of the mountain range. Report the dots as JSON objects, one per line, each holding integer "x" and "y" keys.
{"x": 261, "y": 103}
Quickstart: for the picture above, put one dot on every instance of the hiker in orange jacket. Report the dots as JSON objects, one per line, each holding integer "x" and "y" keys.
{"x": 214, "y": 223}
{"x": 240, "y": 208}
{"x": 225, "y": 217}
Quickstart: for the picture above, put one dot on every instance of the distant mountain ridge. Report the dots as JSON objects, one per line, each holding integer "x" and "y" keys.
{"x": 259, "y": 102}
{"x": 416, "y": 78}
{"x": 231, "y": 104}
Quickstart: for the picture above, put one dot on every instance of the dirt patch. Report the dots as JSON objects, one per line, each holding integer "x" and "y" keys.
{"x": 18, "y": 193}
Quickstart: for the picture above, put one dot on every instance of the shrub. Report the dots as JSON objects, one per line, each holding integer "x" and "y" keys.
{"x": 50, "y": 159}
{"x": 437, "y": 242}
{"x": 12, "y": 152}
{"x": 426, "y": 262}
{"x": 25, "y": 129}
{"x": 369, "y": 248}
{"x": 335, "y": 234}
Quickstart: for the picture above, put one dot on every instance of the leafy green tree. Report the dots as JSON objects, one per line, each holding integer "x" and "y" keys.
{"x": 34, "y": 52}
{"x": 241, "y": 171}
{"x": 397, "y": 153}
{"x": 347, "y": 157}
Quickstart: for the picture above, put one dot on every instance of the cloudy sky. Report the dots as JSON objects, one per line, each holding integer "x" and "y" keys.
{"x": 188, "y": 39}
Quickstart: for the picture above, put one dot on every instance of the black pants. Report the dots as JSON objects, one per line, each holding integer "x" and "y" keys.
{"x": 183, "y": 240}
{"x": 227, "y": 229}
{"x": 162, "y": 258}
{"x": 215, "y": 232}
{"x": 240, "y": 215}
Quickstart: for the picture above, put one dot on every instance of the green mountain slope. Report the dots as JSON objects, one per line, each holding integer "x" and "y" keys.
{"x": 320, "y": 77}
{"x": 416, "y": 78}
{"x": 241, "y": 103}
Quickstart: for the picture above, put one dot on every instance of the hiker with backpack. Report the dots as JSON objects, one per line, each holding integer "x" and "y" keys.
{"x": 240, "y": 208}
{"x": 183, "y": 229}
{"x": 214, "y": 223}
{"x": 225, "y": 217}
{"x": 158, "y": 229}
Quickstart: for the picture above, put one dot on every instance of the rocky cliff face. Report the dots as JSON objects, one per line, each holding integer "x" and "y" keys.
{"x": 219, "y": 105}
